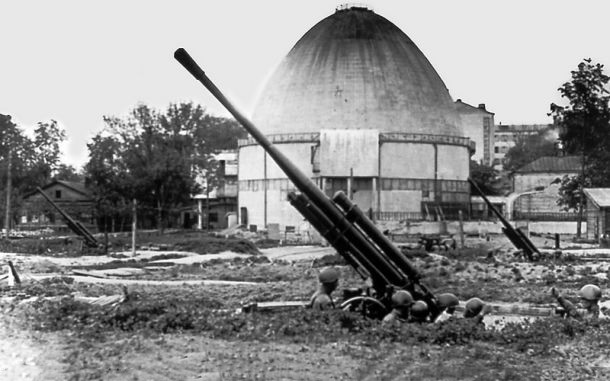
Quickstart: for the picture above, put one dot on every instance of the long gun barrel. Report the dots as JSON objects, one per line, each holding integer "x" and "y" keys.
{"x": 516, "y": 236}
{"x": 375, "y": 254}
{"x": 74, "y": 225}
{"x": 323, "y": 225}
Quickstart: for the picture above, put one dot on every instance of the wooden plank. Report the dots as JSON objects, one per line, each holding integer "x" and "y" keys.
{"x": 89, "y": 273}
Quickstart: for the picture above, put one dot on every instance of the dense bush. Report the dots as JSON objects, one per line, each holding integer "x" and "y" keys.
{"x": 200, "y": 315}
{"x": 44, "y": 246}
{"x": 196, "y": 242}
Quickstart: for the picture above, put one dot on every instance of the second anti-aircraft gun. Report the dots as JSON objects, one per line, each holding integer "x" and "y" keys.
{"x": 516, "y": 236}
{"x": 342, "y": 224}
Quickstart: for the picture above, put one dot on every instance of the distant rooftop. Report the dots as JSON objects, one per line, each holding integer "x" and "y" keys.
{"x": 464, "y": 107}
{"x": 600, "y": 196}
{"x": 552, "y": 164}
{"x": 521, "y": 127}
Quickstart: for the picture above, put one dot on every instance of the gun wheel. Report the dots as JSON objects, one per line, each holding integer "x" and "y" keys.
{"x": 366, "y": 305}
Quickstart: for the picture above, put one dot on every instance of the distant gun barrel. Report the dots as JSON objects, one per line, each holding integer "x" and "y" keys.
{"x": 516, "y": 236}
{"x": 74, "y": 225}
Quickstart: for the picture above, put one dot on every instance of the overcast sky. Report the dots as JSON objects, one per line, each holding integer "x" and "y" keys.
{"x": 75, "y": 61}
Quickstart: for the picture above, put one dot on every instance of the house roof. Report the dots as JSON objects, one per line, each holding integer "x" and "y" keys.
{"x": 75, "y": 186}
{"x": 559, "y": 164}
{"x": 599, "y": 196}
{"x": 463, "y": 107}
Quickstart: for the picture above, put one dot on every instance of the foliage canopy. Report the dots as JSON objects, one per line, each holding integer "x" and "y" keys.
{"x": 159, "y": 158}
{"x": 528, "y": 148}
{"x": 584, "y": 129}
{"x": 35, "y": 160}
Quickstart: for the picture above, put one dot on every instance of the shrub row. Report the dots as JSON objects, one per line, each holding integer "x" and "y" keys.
{"x": 200, "y": 315}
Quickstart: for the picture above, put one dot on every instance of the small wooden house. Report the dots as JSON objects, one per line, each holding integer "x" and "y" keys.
{"x": 598, "y": 212}
{"x": 72, "y": 197}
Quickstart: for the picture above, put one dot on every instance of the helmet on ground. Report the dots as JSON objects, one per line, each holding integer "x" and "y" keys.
{"x": 590, "y": 292}
{"x": 447, "y": 300}
{"x": 402, "y": 298}
{"x": 329, "y": 275}
{"x": 322, "y": 302}
{"x": 419, "y": 310}
{"x": 473, "y": 307}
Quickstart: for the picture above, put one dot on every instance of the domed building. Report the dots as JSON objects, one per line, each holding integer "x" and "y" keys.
{"x": 357, "y": 107}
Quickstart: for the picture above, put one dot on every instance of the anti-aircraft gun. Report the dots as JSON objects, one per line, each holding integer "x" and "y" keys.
{"x": 74, "y": 225}
{"x": 516, "y": 236}
{"x": 341, "y": 223}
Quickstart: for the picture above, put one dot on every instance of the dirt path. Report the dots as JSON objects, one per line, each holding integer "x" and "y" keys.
{"x": 296, "y": 253}
{"x": 90, "y": 279}
{"x": 192, "y": 357}
{"x": 29, "y": 356}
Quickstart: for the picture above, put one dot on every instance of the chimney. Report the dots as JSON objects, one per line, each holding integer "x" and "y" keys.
{"x": 482, "y": 106}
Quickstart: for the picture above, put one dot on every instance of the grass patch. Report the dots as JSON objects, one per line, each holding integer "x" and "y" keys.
{"x": 160, "y": 315}
{"x": 192, "y": 241}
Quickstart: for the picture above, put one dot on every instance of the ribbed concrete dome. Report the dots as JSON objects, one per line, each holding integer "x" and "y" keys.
{"x": 357, "y": 70}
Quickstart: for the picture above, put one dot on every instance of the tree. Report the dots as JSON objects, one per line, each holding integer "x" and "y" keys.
{"x": 67, "y": 172}
{"x": 33, "y": 160}
{"x": 156, "y": 158}
{"x": 485, "y": 177}
{"x": 528, "y": 148}
{"x": 584, "y": 129}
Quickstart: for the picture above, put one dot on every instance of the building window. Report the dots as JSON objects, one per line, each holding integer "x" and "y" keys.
{"x": 496, "y": 149}
{"x": 58, "y": 193}
{"x": 213, "y": 217}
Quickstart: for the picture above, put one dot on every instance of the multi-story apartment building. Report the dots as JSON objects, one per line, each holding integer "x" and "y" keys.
{"x": 218, "y": 208}
{"x": 478, "y": 125}
{"x": 506, "y": 136}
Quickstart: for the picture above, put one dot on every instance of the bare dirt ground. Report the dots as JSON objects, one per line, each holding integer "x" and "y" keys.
{"x": 58, "y": 339}
{"x": 30, "y": 355}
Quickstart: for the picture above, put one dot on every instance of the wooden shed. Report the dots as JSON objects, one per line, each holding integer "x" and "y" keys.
{"x": 598, "y": 212}
{"x": 71, "y": 197}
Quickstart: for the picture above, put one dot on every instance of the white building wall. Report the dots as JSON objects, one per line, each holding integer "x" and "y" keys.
{"x": 398, "y": 161}
{"x": 298, "y": 154}
{"x": 254, "y": 202}
{"x": 344, "y": 151}
{"x": 453, "y": 163}
{"x": 251, "y": 159}
{"x": 530, "y": 181}
{"x": 472, "y": 124}
{"x": 401, "y": 200}
{"x": 407, "y": 160}
{"x": 280, "y": 211}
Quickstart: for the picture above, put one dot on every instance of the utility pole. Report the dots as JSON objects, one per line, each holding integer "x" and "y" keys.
{"x": 350, "y": 184}
{"x": 581, "y": 185}
{"x": 7, "y": 220}
{"x": 134, "y": 227}
{"x": 581, "y": 191}
{"x": 207, "y": 202}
